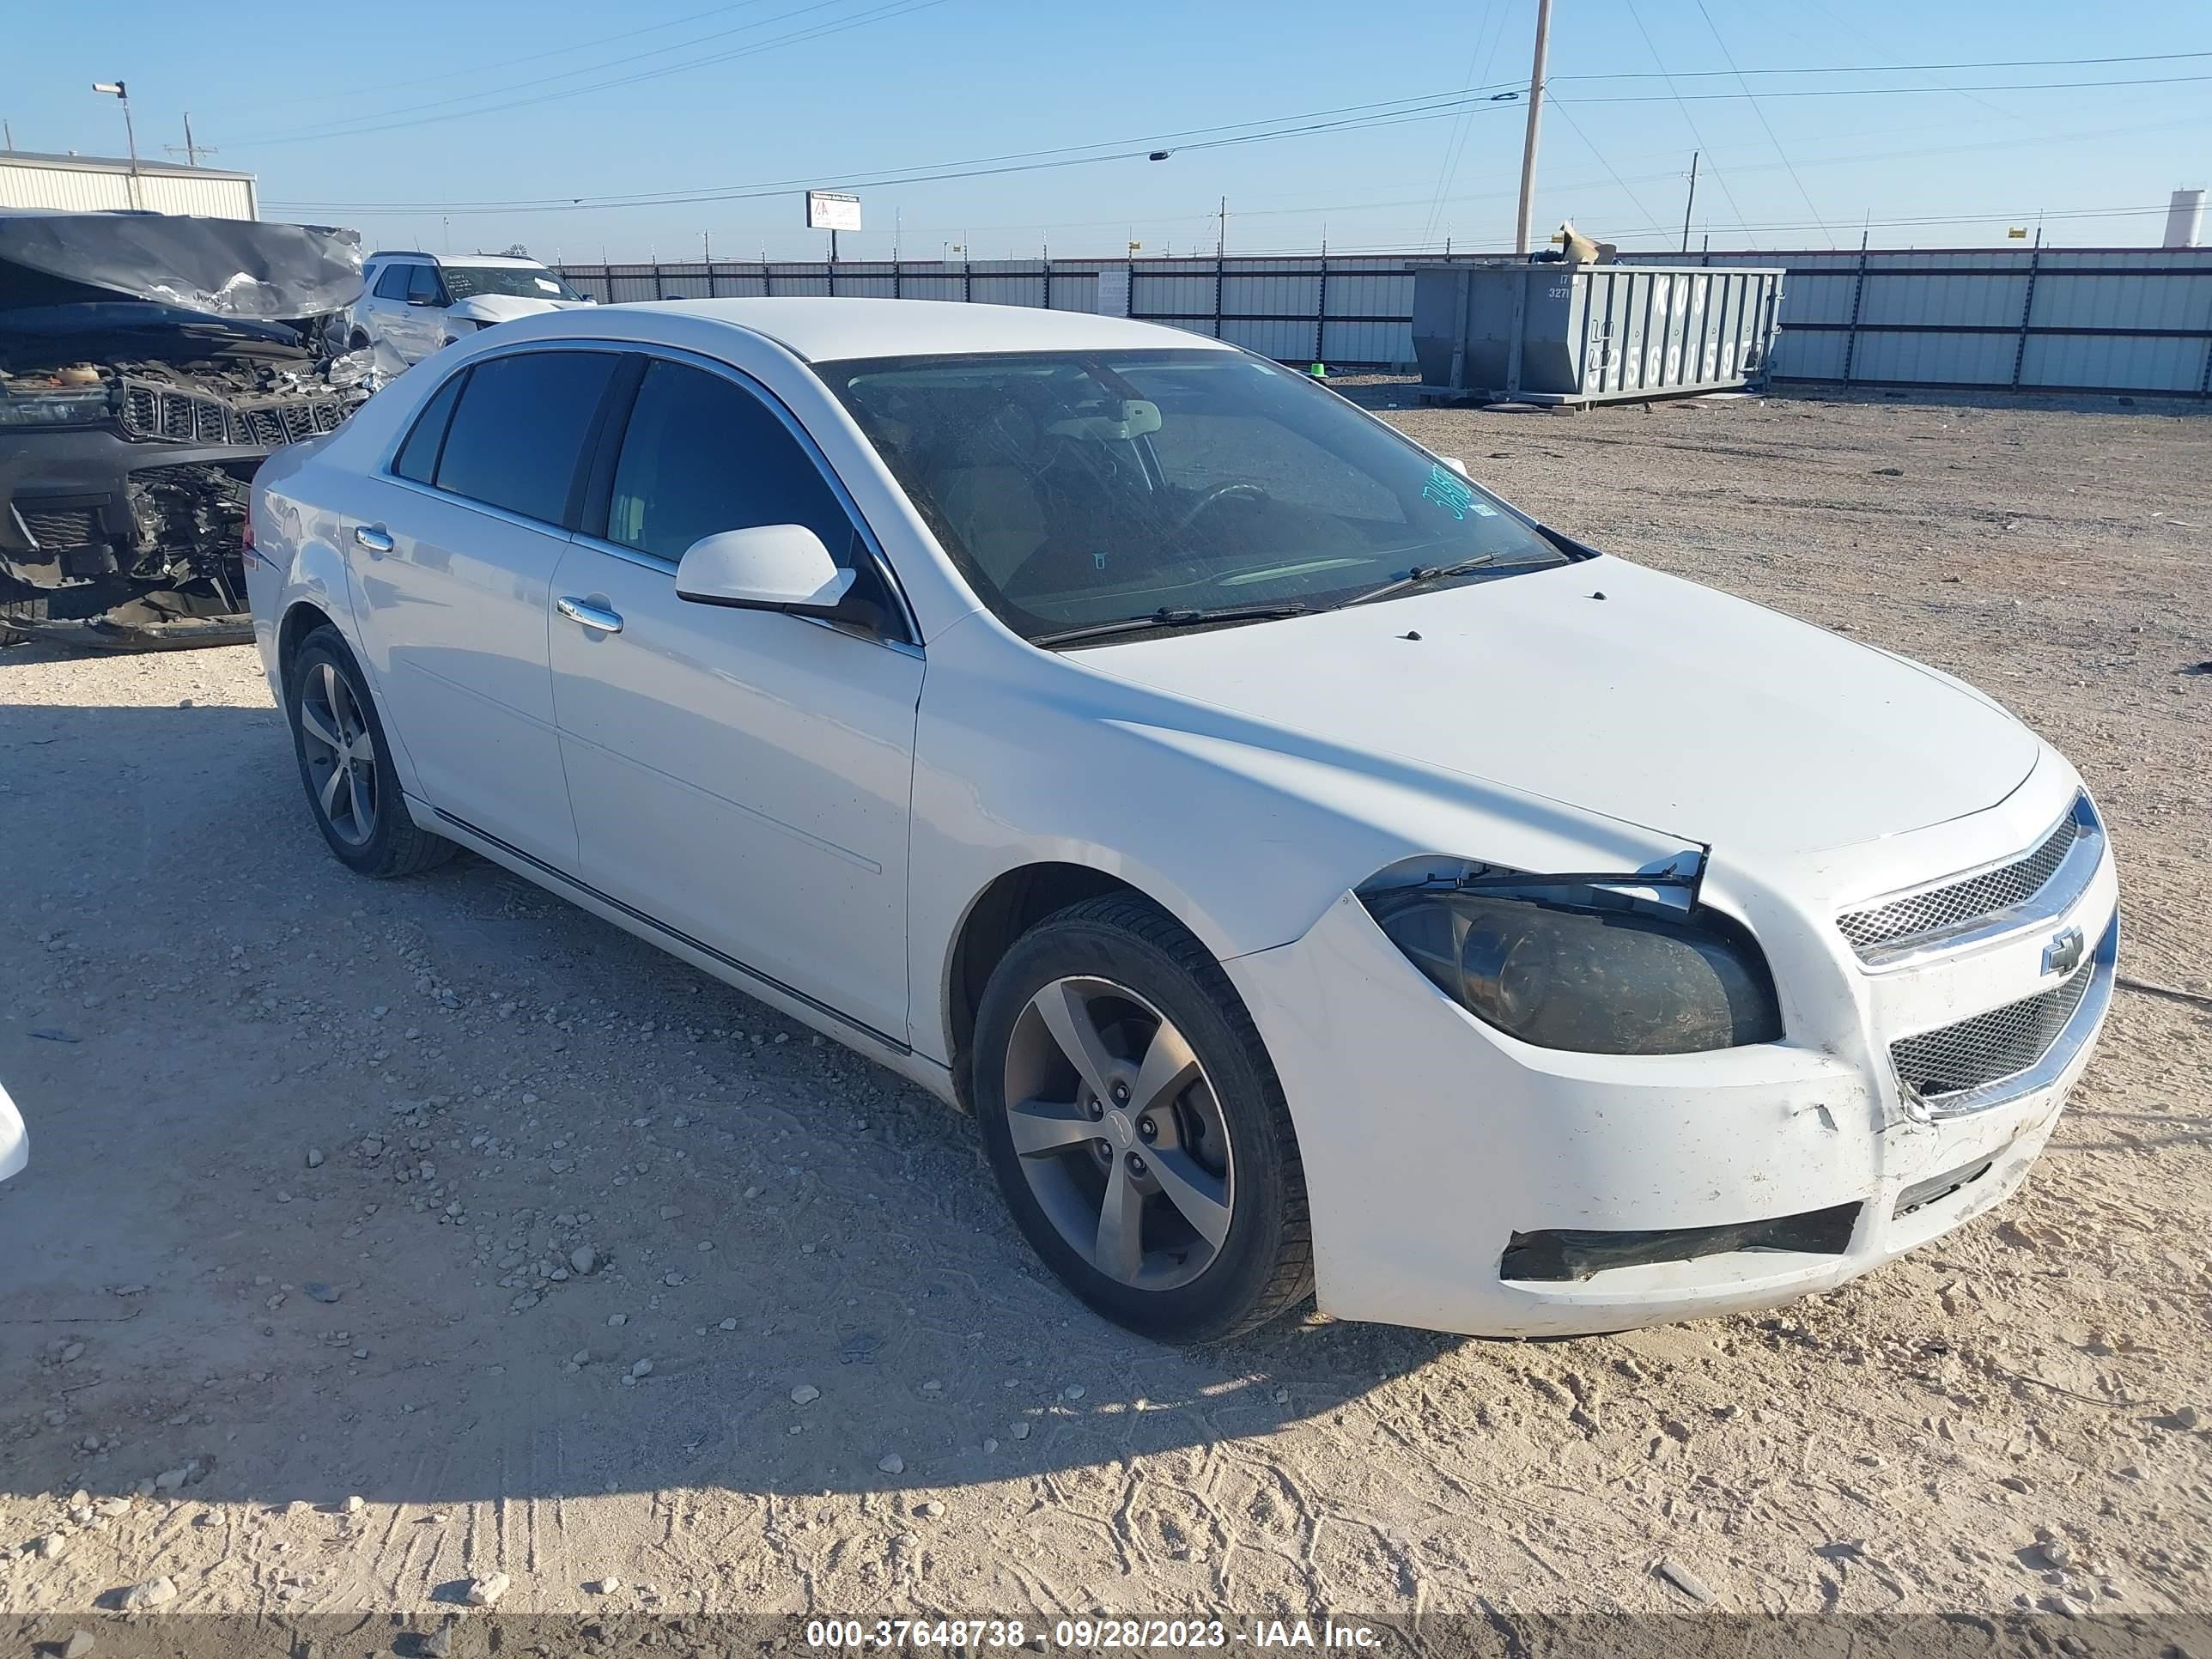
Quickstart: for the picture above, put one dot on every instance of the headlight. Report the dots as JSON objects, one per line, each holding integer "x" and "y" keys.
{"x": 1575, "y": 967}
{"x": 86, "y": 406}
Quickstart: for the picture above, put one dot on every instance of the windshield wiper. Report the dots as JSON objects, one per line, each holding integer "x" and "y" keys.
{"x": 1173, "y": 616}
{"x": 1420, "y": 575}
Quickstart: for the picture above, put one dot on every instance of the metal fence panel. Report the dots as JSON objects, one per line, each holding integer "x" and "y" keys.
{"x": 1978, "y": 300}
{"x": 2119, "y": 362}
{"x": 1934, "y": 359}
{"x": 1279, "y": 295}
{"x": 1286, "y": 340}
{"x": 2083, "y": 318}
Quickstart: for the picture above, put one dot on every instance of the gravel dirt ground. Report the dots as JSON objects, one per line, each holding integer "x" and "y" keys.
{"x": 382, "y": 1237}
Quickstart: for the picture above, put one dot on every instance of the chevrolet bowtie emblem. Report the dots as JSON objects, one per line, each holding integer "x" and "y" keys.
{"x": 2064, "y": 954}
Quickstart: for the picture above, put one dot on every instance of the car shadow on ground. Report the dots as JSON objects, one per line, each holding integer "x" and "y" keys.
{"x": 315, "y": 1161}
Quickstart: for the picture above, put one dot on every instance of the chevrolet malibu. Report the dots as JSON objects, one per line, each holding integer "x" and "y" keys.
{"x": 1317, "y": 876}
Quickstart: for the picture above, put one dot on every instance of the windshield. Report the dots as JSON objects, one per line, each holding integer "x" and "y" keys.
{"x": 1080, "y": 489}
{"x": 518, "y": 282}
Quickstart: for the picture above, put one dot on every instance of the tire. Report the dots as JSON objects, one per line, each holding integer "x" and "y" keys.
{"x": 1203, "y": 1171}
{"x": 350, "y": 787}
{"x": 12, "y": 611}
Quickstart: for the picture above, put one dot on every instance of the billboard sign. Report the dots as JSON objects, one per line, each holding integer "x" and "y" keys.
{"x": 831, "y": 210}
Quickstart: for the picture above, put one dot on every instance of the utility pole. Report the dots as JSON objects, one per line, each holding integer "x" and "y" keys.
{"x": 706, "y": 248}
{"x": 1689, "y": 206}
{"x": 1221, "y": 241}
{"x": 121, "y": 93}
{"x": 8, "y": 132}
{"x": 191, "y": 151}
{"x": 1536, "y": 116}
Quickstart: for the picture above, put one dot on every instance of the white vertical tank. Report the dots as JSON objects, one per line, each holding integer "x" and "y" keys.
{"x": 2185, "y": 218}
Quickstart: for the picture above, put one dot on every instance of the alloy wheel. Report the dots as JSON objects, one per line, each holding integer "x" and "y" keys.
{"x": 341, "y": 753}
{"x": 1119, "y": 1132}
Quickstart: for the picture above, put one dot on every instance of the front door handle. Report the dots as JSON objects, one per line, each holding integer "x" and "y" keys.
{"x": 374, "y": 537}
{"x": 585, "y": 614}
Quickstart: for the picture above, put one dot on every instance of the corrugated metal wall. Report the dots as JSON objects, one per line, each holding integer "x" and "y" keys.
{"x": 86, "y": 189}
{"x": 2082, "y": 320}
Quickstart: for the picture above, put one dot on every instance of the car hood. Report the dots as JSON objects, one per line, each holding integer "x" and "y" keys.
{"x": 506, "y": 307}
{"x": 1621, "y": 691}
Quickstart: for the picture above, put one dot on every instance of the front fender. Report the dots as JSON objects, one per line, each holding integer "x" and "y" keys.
{"x": 1245, "y": 833}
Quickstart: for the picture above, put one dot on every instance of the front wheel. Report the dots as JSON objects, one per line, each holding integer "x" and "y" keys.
{"x": 344, "y": 762}
{"x": 1136, "y": 1125}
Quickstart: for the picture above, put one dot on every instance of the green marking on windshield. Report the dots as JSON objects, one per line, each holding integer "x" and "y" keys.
{"x": 1454, "y": 494}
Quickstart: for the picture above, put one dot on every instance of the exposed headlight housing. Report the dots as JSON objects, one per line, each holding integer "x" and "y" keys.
{"x": 1574, "y": 966}
{"x": 70, "y": 406}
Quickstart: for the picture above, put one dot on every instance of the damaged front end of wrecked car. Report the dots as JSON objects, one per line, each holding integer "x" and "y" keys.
{"x": 148, "y": 364}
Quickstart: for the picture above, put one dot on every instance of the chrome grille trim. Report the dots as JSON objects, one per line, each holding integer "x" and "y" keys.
{"x": 170, "y": 415}
{"x": 2022, "y": 890}
{"x": 1994, "y": 1058}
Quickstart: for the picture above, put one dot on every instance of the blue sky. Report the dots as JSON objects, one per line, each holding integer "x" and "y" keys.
{"x": 407, "y": 117}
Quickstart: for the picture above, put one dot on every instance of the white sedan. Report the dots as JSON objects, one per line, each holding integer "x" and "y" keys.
{"x": 1316, "y": 875}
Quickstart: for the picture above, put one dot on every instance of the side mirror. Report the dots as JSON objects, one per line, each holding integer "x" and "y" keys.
{"x": 1455, "y": 463}
{"x": 774, "y": 567}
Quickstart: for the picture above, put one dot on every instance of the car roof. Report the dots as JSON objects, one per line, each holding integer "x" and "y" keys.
{"x": 824, "y": 329}
{"x": 456, "y": 259}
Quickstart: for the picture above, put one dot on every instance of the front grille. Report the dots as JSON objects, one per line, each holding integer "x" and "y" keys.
{"x": 1939, "y": 910}
{"x": 1954, "y": 1060}
{"x": 170, "y": 415}
{"x": 53, "y": 528}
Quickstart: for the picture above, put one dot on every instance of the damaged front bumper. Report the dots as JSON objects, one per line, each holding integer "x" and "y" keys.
{"x": 1459, "y": 1180}
{"x": 127, "y": 534}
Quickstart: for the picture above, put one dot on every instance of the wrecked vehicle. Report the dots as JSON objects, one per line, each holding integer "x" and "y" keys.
{"x": 1315, "y": 874}
{"x": 148, "y": 364}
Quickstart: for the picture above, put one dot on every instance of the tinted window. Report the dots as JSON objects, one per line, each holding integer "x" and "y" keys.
{"x": 423, "y": 286}
{"x": 418, "y": 457}
{"x": 391, "y": 281}
{"x": 516, "y": 437}
{"x": 702, "y": 454}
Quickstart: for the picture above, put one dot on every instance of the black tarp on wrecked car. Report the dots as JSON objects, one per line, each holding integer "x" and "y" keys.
{"x": 147, "y": 363}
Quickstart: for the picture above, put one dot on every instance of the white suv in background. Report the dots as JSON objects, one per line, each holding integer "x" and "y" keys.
{"x": 411, "y": 304}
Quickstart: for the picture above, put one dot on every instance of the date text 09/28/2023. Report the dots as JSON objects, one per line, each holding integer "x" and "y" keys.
{"x": 1085, "y": 1634}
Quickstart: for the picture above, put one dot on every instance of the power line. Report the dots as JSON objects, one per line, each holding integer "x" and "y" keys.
{"x": 1897, "y": 92}
{"x": 324, "y": 97}
{"x": 1440, "y": 107}
{"x": 380, "y": 125}
{"x": 1456, "y": 141}
{"x": 1674, "y": 92}
{"x": 1633, "y": 198}
{"x": 1733, "y": 73}
{"x": 1728, "y": 58}
{"x": 1386, "y": 113}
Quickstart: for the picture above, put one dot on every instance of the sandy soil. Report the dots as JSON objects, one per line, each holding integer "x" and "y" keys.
{"x": 313, "y": 1158}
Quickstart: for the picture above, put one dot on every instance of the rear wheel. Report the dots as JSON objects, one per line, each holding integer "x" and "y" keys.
{"x": 1136, "y": 1125}
{"x": 344, "y": 765}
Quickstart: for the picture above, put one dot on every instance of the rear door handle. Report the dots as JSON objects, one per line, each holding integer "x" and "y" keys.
{"x": 374, "y": 537}
{"x": 584, "y": 613}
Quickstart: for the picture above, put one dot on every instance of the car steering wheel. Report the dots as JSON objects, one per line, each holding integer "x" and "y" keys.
{"x": 1213, "y": 498}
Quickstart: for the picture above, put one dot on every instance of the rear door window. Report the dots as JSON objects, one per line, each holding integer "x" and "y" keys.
{"x": 517, "y": 437}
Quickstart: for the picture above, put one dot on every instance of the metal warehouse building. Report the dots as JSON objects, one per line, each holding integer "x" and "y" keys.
{"x": 97, "y": 183}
